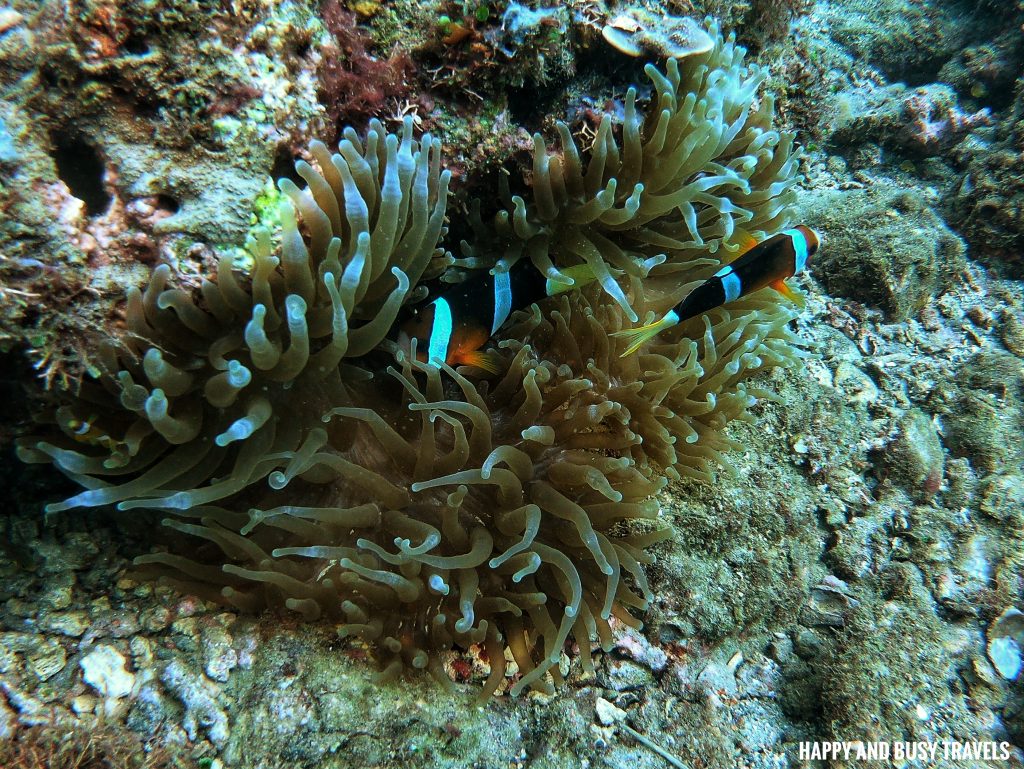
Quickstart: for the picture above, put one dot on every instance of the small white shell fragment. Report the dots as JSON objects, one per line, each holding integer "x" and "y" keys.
{"x": 1005, "y": 638}
{"x": 1005, "y": 655}
{"x": 607, "y": 713}
{"x": 103, "y": 669}
{"x": 624, "y": 22}
{"x": 9, "y": 18}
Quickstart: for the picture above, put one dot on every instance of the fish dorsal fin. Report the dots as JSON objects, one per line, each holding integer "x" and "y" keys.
{"x": 744, "y": 240}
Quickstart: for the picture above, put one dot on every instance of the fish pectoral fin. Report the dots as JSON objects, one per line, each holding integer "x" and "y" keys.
{"x": 489, "y": 361}
{"x": 637, "y": 337}
{"x": 787, "y": 291}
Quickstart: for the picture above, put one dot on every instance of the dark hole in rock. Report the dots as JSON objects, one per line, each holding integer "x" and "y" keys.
{"x": 528, "y": 106}
{"x": 987, "y": 209}
{"x": 167, "y": 203}
{"x": 80, "y": 167}
{"x": 136, "y": 46}
{"x": 14, "y": 406}
{"x": 284, "y": 166}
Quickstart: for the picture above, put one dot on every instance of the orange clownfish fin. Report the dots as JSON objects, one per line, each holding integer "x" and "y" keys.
{"x": 744, "y": 240}
{"x": 636, "y": 337}
{"x": 787, "y": 291}
{"x": 489, "y": 361}
{"x": 581, "y": 275}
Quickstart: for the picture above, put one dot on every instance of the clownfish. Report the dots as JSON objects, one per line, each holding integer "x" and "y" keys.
{"x": 767, "y": 263}
{"x": 455, "y": 326}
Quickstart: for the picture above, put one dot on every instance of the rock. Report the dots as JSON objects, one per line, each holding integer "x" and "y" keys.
{"x": 858, "y": 546}
{"x": 781, "y": 648}
{"x": 201, "y": 698}
{"x": 1005, "y": 655}
{"x": 84, "y": 703}
{"x": 623, "y": 675}
{"x": 46, "y": 659}
{"x": 155, "y": 619}
{"x": 719, "y": 675}
{"x": 9, "y": 18}
{"x": 963, "y": 484}
{"x": 149, "y": 710}
{"x": 69, "y": 623}
{"x": 914, "y": 458}
{"x": 907, "y": 41}
{"x": 915, "y": 122}
{"x": 884, "y": 248}
{"x": 1011, "y": 332}
{"x": 1002, "y": 497}
{"x": 807, "y": 644}
{"x": 104, "y": 670}
{"x": 980, "y": 427}
{"x": 986, "y": 206}
{"x": 8, "y": 721}
{"x": 641, "y": 650}
{"x": 828, "y": 604}
{"x": 58, "y": 593}
{"x": 219, "y": 658}
{"x": 759, "y": 677}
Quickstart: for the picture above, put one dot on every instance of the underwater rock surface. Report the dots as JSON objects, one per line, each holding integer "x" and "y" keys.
{"x": 857, "y": 576}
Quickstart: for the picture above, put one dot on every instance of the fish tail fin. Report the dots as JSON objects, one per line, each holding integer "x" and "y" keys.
{"x": 580, "y": 275}
{"x": 488, "y": 361}
{"x": 636, "y": 337}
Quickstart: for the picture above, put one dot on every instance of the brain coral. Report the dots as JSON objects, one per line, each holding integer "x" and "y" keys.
{"x": 424, "y": 508}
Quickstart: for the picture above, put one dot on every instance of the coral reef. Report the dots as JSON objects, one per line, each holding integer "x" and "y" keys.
{"x": 960, "y": 133}
{"x": 918, "y": 122}
{"x": 907, "y": 40}
{"x": 354, "y": 84}
{"x": 635, "y": 33}
{"x": 988, "y": 204}
{"x": 421, "y": 508}
{"x": 855, "y": 571}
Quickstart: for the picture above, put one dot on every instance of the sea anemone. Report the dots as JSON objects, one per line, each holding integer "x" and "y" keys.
{"x": 702, "y": 171}
{"x": 418, "y": 506}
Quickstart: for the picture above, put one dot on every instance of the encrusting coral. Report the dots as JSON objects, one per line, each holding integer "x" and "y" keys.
{"x": 422, "y": 507}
